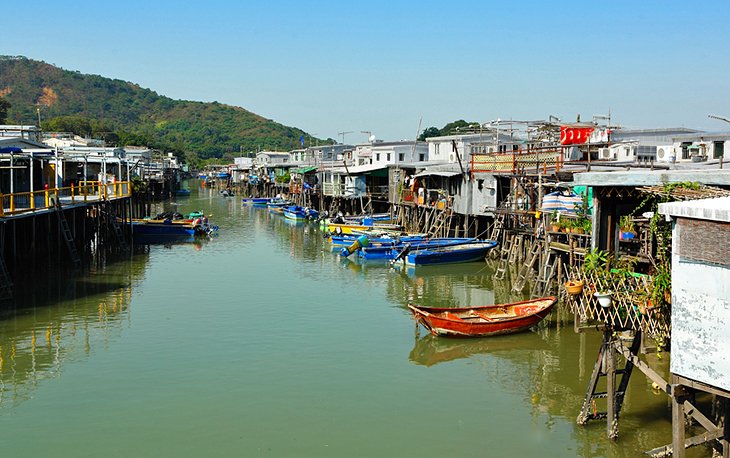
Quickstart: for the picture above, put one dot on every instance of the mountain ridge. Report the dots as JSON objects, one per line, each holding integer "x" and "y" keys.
{"x": 125, "y": 113}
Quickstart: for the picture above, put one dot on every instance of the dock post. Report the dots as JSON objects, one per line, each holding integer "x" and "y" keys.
{"x": 678, "y": 434}
{"x": 610, "y": 365}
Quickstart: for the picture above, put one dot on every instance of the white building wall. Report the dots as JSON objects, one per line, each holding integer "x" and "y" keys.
{"x": 701, "y": 322}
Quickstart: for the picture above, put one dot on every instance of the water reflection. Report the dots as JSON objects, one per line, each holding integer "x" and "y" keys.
{"x": 65, "y": 321}
{"x": 430, "y": 350}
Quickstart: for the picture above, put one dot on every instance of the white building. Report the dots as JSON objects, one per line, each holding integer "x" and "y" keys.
{"x": 271, "y": 159}
{"x": 700, "y": 290}
{"x": 452, "y": 148}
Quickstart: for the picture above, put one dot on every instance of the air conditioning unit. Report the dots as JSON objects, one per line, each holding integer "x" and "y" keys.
{"x": 606, "y": 154}
{"x": 665, "y": 154}
{"x": 452, "y": 157}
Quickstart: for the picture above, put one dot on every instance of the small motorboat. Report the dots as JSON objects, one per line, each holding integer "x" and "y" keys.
{"x": 297, "y": 213}
{"x": 464, "y": 252}
{"x": 182, "y": 193}
{"x": 390, "y": 252}
{"x": 256, "y": 201}
{"x": 482, "y": 321}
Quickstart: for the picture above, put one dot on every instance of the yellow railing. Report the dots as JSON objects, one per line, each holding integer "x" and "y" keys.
{"x": 88, "y": 191}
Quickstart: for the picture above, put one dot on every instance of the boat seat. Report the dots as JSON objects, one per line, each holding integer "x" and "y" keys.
{"x": 451, "y": 316}
{"x": 482, "y": 316}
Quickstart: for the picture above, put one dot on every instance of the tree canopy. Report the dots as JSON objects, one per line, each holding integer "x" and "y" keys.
{"x": 449, "y": 129}
{"x": 125, "y": 114}
{"x": 4, "y": 107}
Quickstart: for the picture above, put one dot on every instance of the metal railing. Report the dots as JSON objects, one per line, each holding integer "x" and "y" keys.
{"x": 20, "y": 202}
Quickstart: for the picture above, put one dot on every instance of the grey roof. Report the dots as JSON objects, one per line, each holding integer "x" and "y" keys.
{"x": 708, "y": 209}
{"x": 715, "y": 177}
{"x": 703, "y": 136}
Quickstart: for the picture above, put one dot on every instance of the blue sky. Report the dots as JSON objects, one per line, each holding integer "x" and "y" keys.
{"x": 380, "y": 66}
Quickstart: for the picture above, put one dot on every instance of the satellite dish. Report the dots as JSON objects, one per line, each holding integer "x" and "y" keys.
{"x": 371, "y": 138}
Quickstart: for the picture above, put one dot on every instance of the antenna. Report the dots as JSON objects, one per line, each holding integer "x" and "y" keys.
{"x": 721, "y": 118}
{"x": 343, "y": 135}
{"x": 371, "y": 137}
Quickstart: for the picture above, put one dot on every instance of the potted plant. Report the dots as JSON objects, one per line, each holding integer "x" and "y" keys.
{"x": 554, "y": 223}
{"x": 587, "y": 226}
{"x": 574, "y": 287}
{"x": 566, "y": 225}
{"x": 604, "y": 298}
{"x": 627, "y": 228}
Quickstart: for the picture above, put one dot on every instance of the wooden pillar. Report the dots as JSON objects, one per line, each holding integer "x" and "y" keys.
{"x": 610, "y": 365}
{"x": 678, "y": 433}
{"x": 725, "y": 441}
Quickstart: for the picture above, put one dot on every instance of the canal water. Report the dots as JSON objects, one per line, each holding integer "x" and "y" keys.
{"x": 262, "y": 341}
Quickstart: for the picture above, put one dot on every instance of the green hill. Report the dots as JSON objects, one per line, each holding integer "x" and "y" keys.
{"x": 125, "y": 114}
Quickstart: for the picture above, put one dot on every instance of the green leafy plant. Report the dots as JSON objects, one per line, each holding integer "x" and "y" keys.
{"x": 587, "y": 226}
{"x": 596, "y": 261}
{"x": 626, "y": 224}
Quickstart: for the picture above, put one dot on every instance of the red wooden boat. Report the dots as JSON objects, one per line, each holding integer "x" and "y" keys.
{"x": 483, "y": 321}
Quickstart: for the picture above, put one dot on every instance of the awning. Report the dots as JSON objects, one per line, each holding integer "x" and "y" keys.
{"x": 304, "y": 170}
{"x": 438, "y": 173}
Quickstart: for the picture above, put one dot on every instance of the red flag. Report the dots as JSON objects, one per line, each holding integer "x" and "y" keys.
{"x": 574, "y": 135}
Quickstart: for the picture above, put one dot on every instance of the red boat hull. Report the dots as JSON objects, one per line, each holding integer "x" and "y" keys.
{"x": 483, "y": 321}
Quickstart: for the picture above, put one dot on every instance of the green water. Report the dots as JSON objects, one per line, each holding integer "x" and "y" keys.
{"x": 262, "y": 341}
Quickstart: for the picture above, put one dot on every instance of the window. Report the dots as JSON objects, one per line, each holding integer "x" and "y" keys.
{"x": 719, "y": 150}
{"x": 401, "y": 157}
{"x": 388, "y": 157}
{"x": 421, "y": 157}
{"x": 377, "y": 156}
{"x": 436, "y": 148}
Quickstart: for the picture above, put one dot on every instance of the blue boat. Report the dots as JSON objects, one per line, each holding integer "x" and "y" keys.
{"x": 467, "y": 252}
{"x": 278, "y": 205}
{"x": 390, "y": 252}
{"x": 169, "y": 227}
{"x": 348, "y": 239}
{"x": 297, "y": 213}
{"x": 256, "y": 201}
{"x": 162, "y": 228}
{"x": 182, "y": 192}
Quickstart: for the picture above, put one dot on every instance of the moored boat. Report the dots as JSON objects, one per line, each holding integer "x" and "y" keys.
{"x": 390, "y": 252}
{"x": 182, "y": 193}
{"x": 481, "y": 321}
{"x": 297, "y": 213}
{"x": 465, "y": 252}
{"x": 256, "y": 201}
{"x": 353, "y": 228}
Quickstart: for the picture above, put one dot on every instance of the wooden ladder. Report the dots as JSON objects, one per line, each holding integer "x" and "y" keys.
{"x": 6, "y": 284}
{"x": 438, "y": 222}
{"x": 528, "y": 266}
{"x": 606, "y": 367}
{"x": 116, "y": 228}
{"x": 497, "y": 226}
{"x": 68, "y": 237}
{"x": 501, "y": 271}
{"x": 542, "y": 284}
